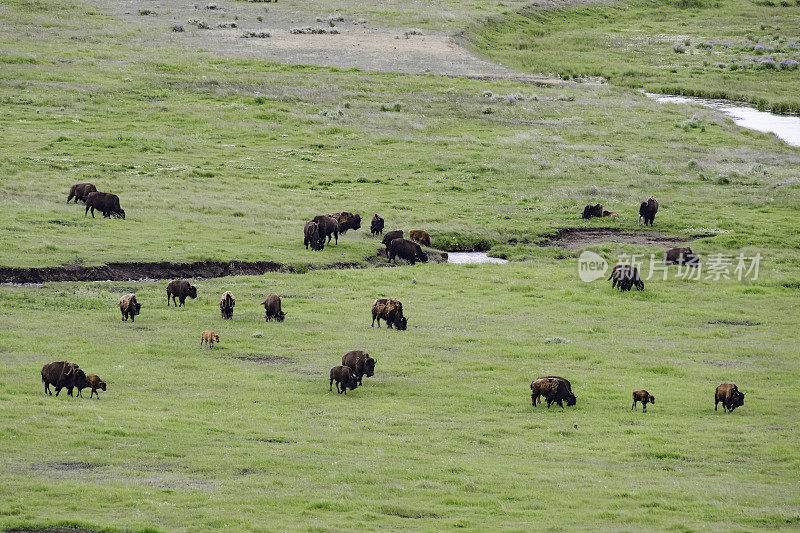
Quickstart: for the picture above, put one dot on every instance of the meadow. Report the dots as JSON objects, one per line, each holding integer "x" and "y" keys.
{"x": 224, "y": 158}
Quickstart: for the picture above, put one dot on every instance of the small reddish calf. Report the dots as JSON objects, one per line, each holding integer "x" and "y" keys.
{"x": 209, "y": 338}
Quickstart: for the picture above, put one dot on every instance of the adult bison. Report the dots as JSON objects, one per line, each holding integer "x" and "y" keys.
{"x": 129, "y": 307}
{"x": 536, "y": 387}
{"x": 376, "y": 226}
{"x": 311, "y": 235}
{"x": 180, "y": 288}
{"x": 391, "y": 311}
{"x": 592, "y": 211}
{"x": 106, "y": 203}
{"x": 557, "y": 390}
{"x": 226, "y": 304}
{"x": 62, "y": 375}
{"x": 419, "y": 236}
{"x": 80, "y": 191}
{"x": 408, "y": 250}
{"x": 360, "y": 363}
{"x": 729, "y": 395}
{"x": 647, "y": 211}
{"x": 681, "y": 256}
{"x": 272, "y": 307}
{"x": 390, "y": 236}
{"x": 346, "y": 221}
{"x": 624, "y": 277}
{"x": 328, "y": 227}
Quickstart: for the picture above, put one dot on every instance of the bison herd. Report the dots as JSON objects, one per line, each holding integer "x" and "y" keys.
{"x": 68, "y": 375}
{"x": 647, "y": 211}
{"x": 105, "y": 202}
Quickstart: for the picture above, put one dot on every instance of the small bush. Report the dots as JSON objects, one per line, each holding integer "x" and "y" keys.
{"x": 201, "y": 24}
{"x": 308, "y": 30}
{"x": 177, "y": 27}
{"x": 397, "y": 106}
{"x": 679, "y": 49}
{"x": 255, "y": 35}
{"x": 145, "y": 12}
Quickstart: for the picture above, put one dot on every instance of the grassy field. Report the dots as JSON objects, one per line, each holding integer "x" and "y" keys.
{"x": 740, "y": 49}
{"x": 225, "y": 158}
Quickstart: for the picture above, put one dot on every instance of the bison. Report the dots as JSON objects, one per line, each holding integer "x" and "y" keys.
{"x": 376, "y": 226}
{"x": 272, "y": 306}
{"x": 729, "y": 395}
{"x": 624, "y": 277}
{"x": 80, "y": 191}
{"x": 536, "y": 387}
{"x": 94, "y": 383}
{"x": 208, "y": 338}
{"x": 681, "y": 256}
{"x": 408, "y": 250}
{"x": 592, "y": 211}
{"x": 62, "y": 374}
{"x": 328, "y": 227}
{"x": 611, "y": 214}
{"x": 390, "y": 310}
{"x": 360, "y": 363}
{"x": 343, "y": 376}
{"x": 390, "y": 236}
{"x": 106, "y": 203}
{"x": 557, "y": 390}
{"x": 226, "y": 304}
{"x": 129, "y": 307}
{"x": 312, "y": 236}
{"x": 647, "y": 211}
{"x": 180, "y": 288}
{"x": 346, "y": 221}
{"x": 419, "y": 236}
{"x": 644, "y": 397}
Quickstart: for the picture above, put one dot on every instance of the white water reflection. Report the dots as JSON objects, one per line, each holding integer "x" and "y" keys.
{"x": 472, "y": 257}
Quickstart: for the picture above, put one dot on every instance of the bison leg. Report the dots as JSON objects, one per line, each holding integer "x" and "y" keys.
{"x": 133, "y": 318}
{"x": 80, "y": 393}
{"x": 47, "y": 388}
{"x": 644, "y": 407}
{"x": 58, "y": 389}
{"x": 533, "y": 400}
{"x": 715, "y": 404}
{"x": 330, "y": 388}
{"x": 633, "y": 406}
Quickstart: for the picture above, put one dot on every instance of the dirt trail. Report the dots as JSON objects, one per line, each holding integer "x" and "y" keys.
{"x": 576, "y": 238}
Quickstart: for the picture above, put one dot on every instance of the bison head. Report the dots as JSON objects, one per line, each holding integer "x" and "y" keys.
{"x": 102, "y": 385}
{"x": 639, "y": 284}
{"x": 119, "y": 214}
{"x": 281, "y": 315}
{"x": 401, "y": 323}
{"x": 369, "y": 366}
{"x": 644, "y": 209}
{"x": 651, "y": 399}
{"x": 737, "y": 400}
{"x": 356, "y": 221}
{"x": 571, "y": 399}
{"x": 135, "y": 309}
{"x": 80, "y": 379}
{"x": 192, "y": 292}
{"x": 587, "y": 212}
{"x": 352, "y": 381}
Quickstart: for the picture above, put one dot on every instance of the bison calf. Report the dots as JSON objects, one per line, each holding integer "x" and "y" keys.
{"x": 647, "y": 212}
{"x": 420, "y": 237}
{"x": 360, "y": 363}
{"x": 729, "y": 395}
{"x": 180, "y": 288}
{"x": 93, "y": 382}
{"x": 208, "y": 338}
{"x": 681, "y": 256}
{"x": 129, "y": 307}
{"x": 272, "y": 307}
{"x": 376, "y": 226}
{"x": 344, "y": 378}
{"x": 226, "y": 304}
{"x": 644, "y": 397}
{"x": 311, "y": 235}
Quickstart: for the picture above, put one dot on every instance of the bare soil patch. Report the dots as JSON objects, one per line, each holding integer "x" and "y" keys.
{"x": 274, "y": 360}
{"x": 51, "y": 530}
{"x": 576, "y": 238}
{"x": 735, "y": 323}
{"x": 62, "y": 466}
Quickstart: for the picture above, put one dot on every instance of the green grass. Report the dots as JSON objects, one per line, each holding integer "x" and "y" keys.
{"x": 633, "y": 44}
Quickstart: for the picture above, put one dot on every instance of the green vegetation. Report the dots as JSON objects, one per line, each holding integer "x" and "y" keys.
{"x": 696, "y": 48}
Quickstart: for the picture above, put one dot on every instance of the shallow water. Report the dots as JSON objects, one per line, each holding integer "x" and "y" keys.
{"x": 786, "y": 127}
{"x": 472, "y": 257}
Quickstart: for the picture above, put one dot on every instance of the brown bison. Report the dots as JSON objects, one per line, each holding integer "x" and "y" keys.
{"x": 208, "y": 338}
{"x": 390, "y": 310}
{"x": 346, "y": 221}
{"x": 129, "y": 307}
{"x": 624, "y": 277}
{"x": 729, "y": 395}
{"x": 180, "y": 288}
{"x": 360, "y": 363}
{"x": 408, "y": 250}
{"x": 390, "y": 236}
{"x": 592, "y": 211}
{"x": 536, "y": 387}
{"x": 344, "y": 378}
{"x": 419, "y": 236}
{"x": 80, "y": 191}
{"x": 556, "y": 390}
{"x": 226, "y": 304}
{"x": 376, "y": 226}
{"x": 328, "y": 227}
{"x": 611, "y": 214}
{"x": 681, "y": 256}
{"x": 644, "y": 397}
{"x": 647, "y": 211}
{"x": 311, "y": 235}
{"x": 62, "y": 375}
{"x": 94, "y": 383}
{"x": 106, "y": 203}
{"x": 272, "y": 306}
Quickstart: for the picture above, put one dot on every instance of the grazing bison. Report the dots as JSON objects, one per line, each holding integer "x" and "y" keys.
{"x": 592, "y": 211}
{"x": 536, "y": 387}
{"x": 420, "y": 237}
{"x": 80, "y": 191}
{"x": 376, "y": 226}
{"x": 408, "y": 250}
{"x": 611, "y": 214}
{"x": 346, "y": 221}
{"x": 180, "y": 288}
{"x": 360, "y": 363}
{"x": 328, "y": 227}
{"x": 624, "y": 277}
{"x": 312, "y": 236}
{"x": 94, "y": 383}
{"x": 272, "y": 306}
{"x": 647, "y": 211}
{"x": 390, "y": 236}
{"x": 343, "y": 376}
{"x": 226, "y": 304}
{"x": 644, "y": 397}
{"x": 390, "y": 310}
{"x": 681, "y": 256}
{"x": 208, "y": 338}
{"x": 62, "y": 374}
{"x": 729, "y": 395}
{"x": 557, "y": 390}
{"x": 106, "y": 203}
{"x": 129, "y": 307}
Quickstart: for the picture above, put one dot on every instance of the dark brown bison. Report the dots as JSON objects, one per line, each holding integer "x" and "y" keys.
{"x": 408, "y": 250}
{"x": 729, "y": 395}
{"x": 344, "y": 378}
{"x": 644, "y": 397}
{"x": 80, "y": 191}
{"x": 360, "y": 363}
{"x": 226, "y": 304}
{"x": 681, "y": 256}
{"x": 624, "y": 277}
{"x": 419, "y": 236}
{"x": 647, "y": 211}
{"x": 129, "y": 307}
{"x": 346, "y": 221}
{"x": 328, "y": 227}
{"x": 556, "y": 390}
{"x": 106, "y": 203}
{"x": 536, "y": 387}
{"x": 180, "y": 288}
{"x": 311, "y": 235}
{"x": 390, "y": 310}
{"x": 592, "y": 211}
{"x": 94, "y": 383}
{"x": 272, "y": 306}
{"x": 376, "y": 226}
{"x": 390, "y": 236}
{"x": 62, "y": 375}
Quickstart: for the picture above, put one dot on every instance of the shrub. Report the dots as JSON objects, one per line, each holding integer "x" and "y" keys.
{"x": 177, "y": 27}
{"x": 145, "y": 12}
{"x": 679, "y": 49}
{"x": 255, "y": 35}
